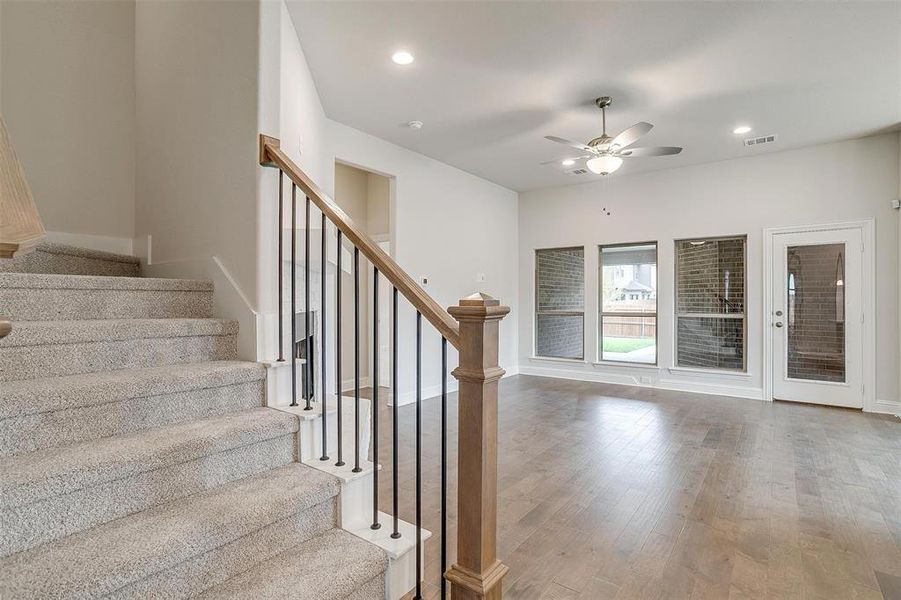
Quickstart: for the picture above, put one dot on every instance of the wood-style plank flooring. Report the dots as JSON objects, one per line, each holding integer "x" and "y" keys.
{"x": 621, "y": 492}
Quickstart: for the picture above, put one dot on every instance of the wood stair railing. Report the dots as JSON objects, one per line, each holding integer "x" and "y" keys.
{"x": 472, "y": 328}
{"x": 20, "y": 224}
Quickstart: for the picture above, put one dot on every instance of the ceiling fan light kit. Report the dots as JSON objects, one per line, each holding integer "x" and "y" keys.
{"x": 604, "y": 164}
{"x": 606, "y": 153}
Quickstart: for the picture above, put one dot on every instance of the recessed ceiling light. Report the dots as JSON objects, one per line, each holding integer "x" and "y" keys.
{"x": 568, "y": 162}
{"x": 741, "y": 129}
{"x": 402, "y": 57}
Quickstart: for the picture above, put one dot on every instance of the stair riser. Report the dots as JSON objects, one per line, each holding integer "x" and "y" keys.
{"x": 23, "y": 304}
{"x": 67, "y": 264}
{"x": 51, "y": 360}
{"x": 58, "y": 428}
{"x": 27, "y": 526}
{"x": 205, "y": 571}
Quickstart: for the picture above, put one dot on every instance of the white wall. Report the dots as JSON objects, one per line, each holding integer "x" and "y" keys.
{"x": 836, "y": 182}
{"x": 68, "y": 95}
{"x": 196, "y": 123}
{"x": 447, "y": 224}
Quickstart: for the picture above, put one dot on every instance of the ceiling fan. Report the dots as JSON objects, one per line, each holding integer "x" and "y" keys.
{"x": 605, "y": 154}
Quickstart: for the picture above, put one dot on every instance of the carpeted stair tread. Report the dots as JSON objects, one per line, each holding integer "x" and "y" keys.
{"x": 97, "y": 562}
{"x": 331, "y": 566}
{"x": 50, "y": 257}
{"x": 38, "y": 475}
{"x": 43, "y": 297}
{"x": 48, "y": 394}
{"x": 48, "y": 281}
{"x": 40, "y": 333}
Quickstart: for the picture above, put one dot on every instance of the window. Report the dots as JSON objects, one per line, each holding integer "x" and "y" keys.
{"x": 560, "y": 302}
{"x": 710, "y": 303}
{"x": 628, "y": 303}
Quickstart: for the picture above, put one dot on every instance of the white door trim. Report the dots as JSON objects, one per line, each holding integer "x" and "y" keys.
{"x": 867, "y": 229}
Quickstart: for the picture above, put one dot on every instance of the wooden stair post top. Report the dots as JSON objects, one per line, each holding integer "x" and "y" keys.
{"x": 477, "y": 574}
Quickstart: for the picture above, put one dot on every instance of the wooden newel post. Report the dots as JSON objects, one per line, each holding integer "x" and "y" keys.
{"x": 477, "y": 574}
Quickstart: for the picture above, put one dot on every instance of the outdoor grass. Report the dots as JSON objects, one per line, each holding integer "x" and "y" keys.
{"x": 626, "y": 344}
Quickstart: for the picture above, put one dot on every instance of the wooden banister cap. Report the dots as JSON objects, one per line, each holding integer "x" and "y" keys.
{"x": 478, "y": 307}
{"x": 479, "y": 299}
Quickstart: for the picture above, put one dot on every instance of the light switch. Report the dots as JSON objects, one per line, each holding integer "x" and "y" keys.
{"x": 480, "y": 278}
{"x": 423, "y": 280}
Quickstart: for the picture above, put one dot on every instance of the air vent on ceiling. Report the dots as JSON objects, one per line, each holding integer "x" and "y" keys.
{"x": 764, "y": 139}
{"x": 578, "y": 172}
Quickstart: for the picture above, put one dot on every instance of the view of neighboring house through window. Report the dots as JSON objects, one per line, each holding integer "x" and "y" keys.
{"x": 560, "y": 302}
{"x": 710, "y": 303}
{"x": 628, "y": 303}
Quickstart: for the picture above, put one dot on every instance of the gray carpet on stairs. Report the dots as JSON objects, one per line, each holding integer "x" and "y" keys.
{"x": 68, "y": 297}
{"x": 137, "y": 459}
{"x": 50, "y": 257}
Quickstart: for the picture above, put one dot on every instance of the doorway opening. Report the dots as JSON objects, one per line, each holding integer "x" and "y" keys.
{"x": 368, "y": 198}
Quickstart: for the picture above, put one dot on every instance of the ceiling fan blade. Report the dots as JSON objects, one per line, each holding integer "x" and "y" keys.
{"x": 569, "y": 143}
{"x": 653, "y": 151}
{"x": 559, "y": 161}
{"x": 630, "y": 135}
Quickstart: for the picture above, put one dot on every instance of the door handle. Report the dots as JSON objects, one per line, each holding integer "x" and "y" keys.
{"x": 778, "y": 323}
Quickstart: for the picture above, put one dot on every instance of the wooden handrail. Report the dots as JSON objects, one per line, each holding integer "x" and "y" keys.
{"x": 20, "y": 224}
{"x": 271, "y": 155}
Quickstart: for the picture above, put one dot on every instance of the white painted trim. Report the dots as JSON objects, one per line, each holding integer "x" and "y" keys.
{"x": 725, "y": 373}
{"x": 867, "y": 229}
{"x": 889, "y": 407}
{"x": 103, "y": 243}
{"x": 553, "y": 359}
{"x": 229, "y": 300}
{"x": 622, "y": 364}
{"x": 694, "y": 387}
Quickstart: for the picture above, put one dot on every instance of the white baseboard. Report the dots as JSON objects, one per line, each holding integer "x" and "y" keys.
{"x": 696, "y": 387}
{"x": 229, "y": 301}
{"x": 103, "y": 243}
{"x": 889, "y": 407}
{"x": 347, "y": 385}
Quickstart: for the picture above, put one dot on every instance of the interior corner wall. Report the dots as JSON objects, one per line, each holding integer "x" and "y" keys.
{"x": 67, "y": 88}
{"x": 196, "y": 80}
{"x": 845, "y": 181}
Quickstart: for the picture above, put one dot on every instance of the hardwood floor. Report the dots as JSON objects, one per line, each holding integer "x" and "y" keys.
{"x": 620, "y": 492}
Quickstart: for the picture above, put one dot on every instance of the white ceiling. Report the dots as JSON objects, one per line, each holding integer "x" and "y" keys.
{"x": 492, "y": 78}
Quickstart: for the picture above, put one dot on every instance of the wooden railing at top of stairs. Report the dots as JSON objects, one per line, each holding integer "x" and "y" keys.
{"x": 20, "y": 224}
{"x": 472, "y": 327}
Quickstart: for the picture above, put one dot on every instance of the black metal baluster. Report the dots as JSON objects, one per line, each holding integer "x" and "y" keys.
{"x": 396, "y": 533}
{"x": 374, "y": 405}
{"x": 418, "y": 455}
{"x": 443, "y": 466}
{"x": 322, "y": 345}
{"x": 357, "y": 467}
{"x": 293, "y": 339}
{"x": 281, "y": 342}
{"x": 338, "y": 275}
{"x": 308, "y": 339}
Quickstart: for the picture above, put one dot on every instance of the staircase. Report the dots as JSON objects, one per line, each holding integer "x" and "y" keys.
{"x": 137, "y": 458}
